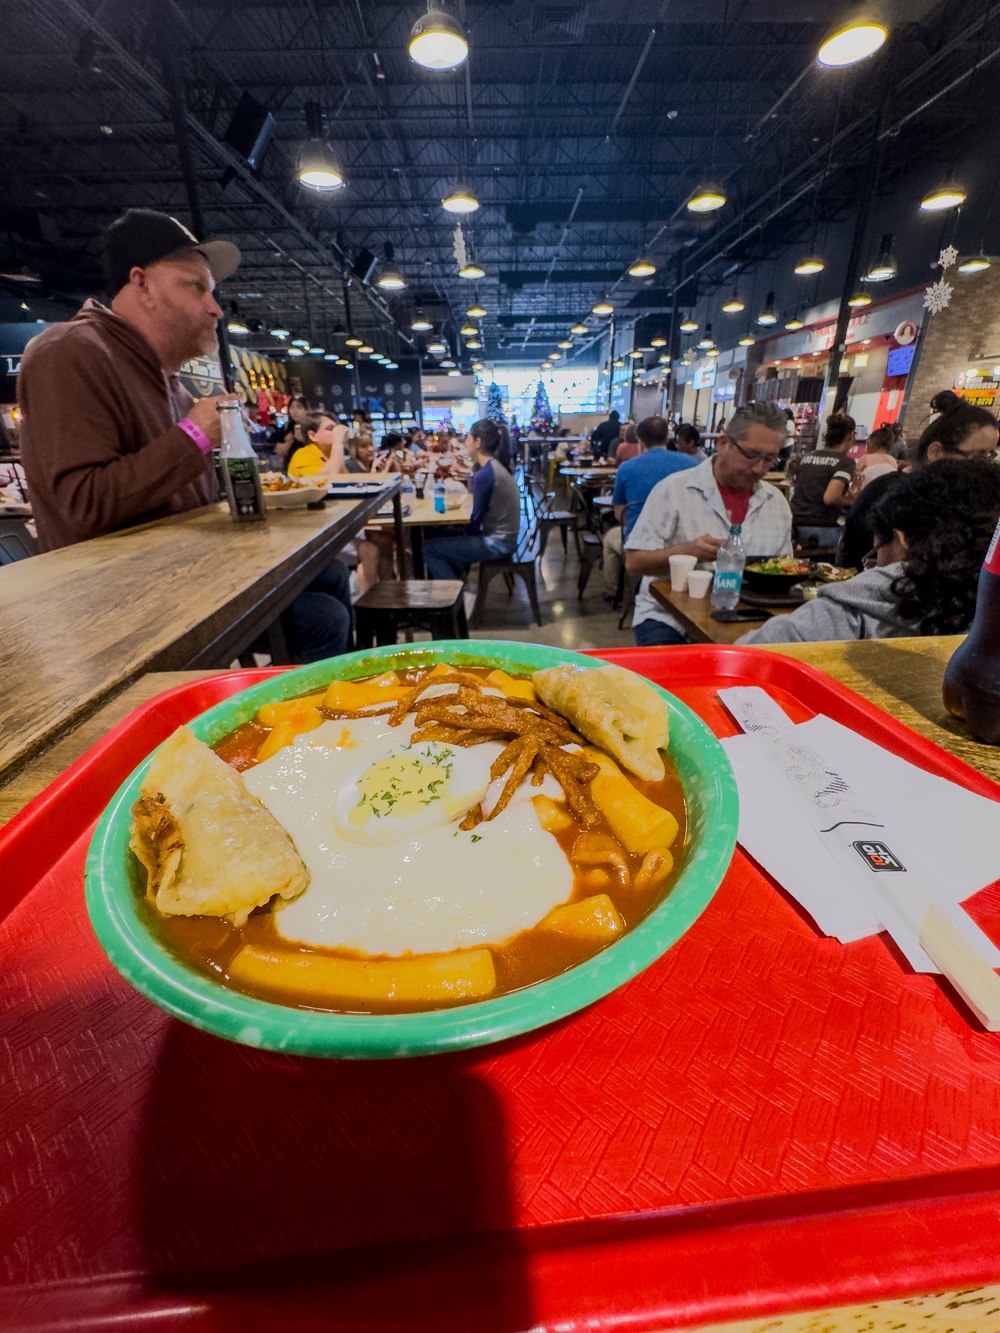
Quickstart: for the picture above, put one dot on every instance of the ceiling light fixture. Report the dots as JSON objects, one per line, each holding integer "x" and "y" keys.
{"x": 365, "y": 350}
{"x": 974, "y": 263}
{"x": 296, "y": 351}
{"x": 468, "y": 330}
{"x": 706, "y": 199}
{"x": 460, "y": 200}
{"x": 437, "y": 347}
{"x": 454, "y": 373}
{"x": 236, "y": 325}
{"x": 768, "y": 315}
{"x": 849, "y": 45}
{"x": 658, "y": 341}
{"x": 474, "y": 344}
{"x": 884, "y": 267}
{"x": 664, "y": 360}
{"x": 472, "y": 271}
{"x": 390, "y": 279}
{"x": 712, "y": 351}
{"x": 642, "y": 268}
{"x": 603, "y": 308}
{"x": 316, "y": 351}
{"x": 565, "y": 343}
{"x": 279, "y": 331}
{"x": 635, "y": 353}
{"x": 476, "y": 312}
{"x": 794, "y": 324}
{"x": 747, "y": 340}
{"x": 858, "y": 300}
{"x": 579, "y": 329}
{"x": 478, "y": 365}
{"x": 447, "y": 363}
{"x": 706, "y": 339}
{"x": 949, "y": 194}
{"x": 342, "y": 361}
{"x": 688, "y": 325}
{"x": 300, "y": 342}
{"x": 419, "y": 324}
{"x": 555, "y": 356}
{"x": 546, "y": 365}
{"x": 805, "y": 268}
{"x": 316, "y": 165}
{"x": 733, "y": 306}
{"x": 330, "y": 356}
{"x": 437, "y": 41}
{"x": 352, "y": 341}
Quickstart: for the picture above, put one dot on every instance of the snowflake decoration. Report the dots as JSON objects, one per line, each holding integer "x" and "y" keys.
{"x": 458, "y": 247}
{"x": 947, "y": 257}
{"x": 937, "y": 297}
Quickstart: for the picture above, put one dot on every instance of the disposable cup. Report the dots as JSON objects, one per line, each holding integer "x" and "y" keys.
{"x": 698, "y": 583}
{"x": 680, "y": 567}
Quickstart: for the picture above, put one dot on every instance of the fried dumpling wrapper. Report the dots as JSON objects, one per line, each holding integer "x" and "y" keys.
{"x": 615, "y": 709}
{"x": 209, "y": 847}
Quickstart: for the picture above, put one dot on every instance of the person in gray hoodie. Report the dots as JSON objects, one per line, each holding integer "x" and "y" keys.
{"x": 932, "y": 531}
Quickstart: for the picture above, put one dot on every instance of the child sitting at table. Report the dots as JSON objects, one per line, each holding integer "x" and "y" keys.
{"x": 322, "y": 455}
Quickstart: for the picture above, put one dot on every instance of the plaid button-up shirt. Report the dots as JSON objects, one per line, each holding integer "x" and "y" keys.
{"x": 687, "y": 505}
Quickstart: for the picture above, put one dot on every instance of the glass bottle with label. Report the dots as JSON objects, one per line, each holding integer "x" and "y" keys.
{"x": 239, "y": 468}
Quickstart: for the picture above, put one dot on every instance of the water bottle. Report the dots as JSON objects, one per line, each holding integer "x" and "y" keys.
{"x": 439, "y": 497}
{"x": 239, "y": 468}
{"x": 729, "y": 571}
{"x": 408, "y": 487}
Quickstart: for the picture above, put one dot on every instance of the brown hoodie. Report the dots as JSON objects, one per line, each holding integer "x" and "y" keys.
{"x": 98, "y": 440}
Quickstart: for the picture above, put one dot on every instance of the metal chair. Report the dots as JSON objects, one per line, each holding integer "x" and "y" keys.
{"x": 16, "y": 542}
{"x": 520, "y": 564}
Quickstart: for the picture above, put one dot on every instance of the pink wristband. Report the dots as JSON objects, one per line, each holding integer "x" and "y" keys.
{"x": 197, "y": 434}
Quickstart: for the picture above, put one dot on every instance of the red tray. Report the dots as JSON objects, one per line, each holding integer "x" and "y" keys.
{"x": 765, "y": 1120}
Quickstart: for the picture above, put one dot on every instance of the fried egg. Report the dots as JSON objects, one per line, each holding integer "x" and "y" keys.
{"x": 404, "y": 878}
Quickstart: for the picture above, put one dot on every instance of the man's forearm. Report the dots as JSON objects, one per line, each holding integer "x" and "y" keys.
{"x": 643, "y": 564}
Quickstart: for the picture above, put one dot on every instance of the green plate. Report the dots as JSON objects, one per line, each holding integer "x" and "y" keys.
{"x": 118, "y": 914}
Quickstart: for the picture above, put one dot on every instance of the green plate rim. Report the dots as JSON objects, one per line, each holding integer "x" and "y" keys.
{"x": 117, "y": 915}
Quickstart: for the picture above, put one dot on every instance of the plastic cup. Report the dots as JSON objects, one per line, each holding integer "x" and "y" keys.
{"x": 680, "y": 567}
{"x": 698, "y": 582}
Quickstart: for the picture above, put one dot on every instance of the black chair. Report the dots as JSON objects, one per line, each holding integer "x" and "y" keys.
{"x": 16, "y": 542}
{"x": 591, "y": 549}
{"x": 434, "y": 605}
{"x": 549, "y": 518}
{"x": 521, "y": 564}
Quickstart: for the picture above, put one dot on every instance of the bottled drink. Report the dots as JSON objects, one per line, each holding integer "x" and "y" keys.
{"x": 239, "y": 468}
{"x": 729, "y": 571}
{"x": 972, "y": 677}
{"x": 439, "y": 497}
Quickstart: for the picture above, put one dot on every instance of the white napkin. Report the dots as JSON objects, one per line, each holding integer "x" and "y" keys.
{"x": 950, "y": 836}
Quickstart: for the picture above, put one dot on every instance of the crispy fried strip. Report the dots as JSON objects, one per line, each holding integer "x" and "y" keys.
{"x": 474, "y": 817}
{"x": 522, "y": 762}
{"x": 347, "y": 714}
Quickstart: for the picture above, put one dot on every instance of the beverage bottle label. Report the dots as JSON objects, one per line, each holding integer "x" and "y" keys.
{"x": 727, "y": 580}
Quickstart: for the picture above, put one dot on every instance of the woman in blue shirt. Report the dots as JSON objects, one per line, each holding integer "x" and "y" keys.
{"x": 496, "y": 508}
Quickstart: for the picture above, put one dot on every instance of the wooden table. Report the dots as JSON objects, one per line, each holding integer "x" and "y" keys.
{"x": 590, "y": 473}
{"x": 694, "y": 614}
{"x": 423, "y": 515}
{"x": 192, "y": 591}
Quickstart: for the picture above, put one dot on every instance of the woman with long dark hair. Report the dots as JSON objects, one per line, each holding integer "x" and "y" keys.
{"x": 932, "y": 530}
{"x": 496, "y": 508}
{"x": 960, "y": 430}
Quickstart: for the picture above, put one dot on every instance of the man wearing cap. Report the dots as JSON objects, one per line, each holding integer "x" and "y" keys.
{"x": 110, "y": 435}
{"x": 111, "y": 438}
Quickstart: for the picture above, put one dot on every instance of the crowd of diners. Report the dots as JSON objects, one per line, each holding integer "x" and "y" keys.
{"x": 133, "y": 445}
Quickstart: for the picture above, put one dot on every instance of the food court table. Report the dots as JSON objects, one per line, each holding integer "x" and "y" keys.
{"x": 694, "y": 614}
{"x": 423, "y": 515}
{"x": 195, "y": 590}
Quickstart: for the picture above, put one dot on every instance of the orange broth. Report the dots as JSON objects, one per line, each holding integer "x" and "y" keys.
{"x": 210, "y": 943}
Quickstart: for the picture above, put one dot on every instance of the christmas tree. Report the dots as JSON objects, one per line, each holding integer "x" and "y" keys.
{"x": 494, "y": 404}
{"x": 541, "y": 413}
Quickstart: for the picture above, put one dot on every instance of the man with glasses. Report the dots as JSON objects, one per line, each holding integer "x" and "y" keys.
{"x": 691, "y": 513}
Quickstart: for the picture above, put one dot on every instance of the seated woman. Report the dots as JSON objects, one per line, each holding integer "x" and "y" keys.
{"x": 932, "y": 531}
{"x": 496, "y": 508}
{"x": 322, "y": 455}
{"x": 823, "y": 483}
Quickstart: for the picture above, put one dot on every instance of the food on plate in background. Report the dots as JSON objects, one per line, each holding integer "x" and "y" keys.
{"x": 459, "y": 837}
{"x": 785, "y": 564}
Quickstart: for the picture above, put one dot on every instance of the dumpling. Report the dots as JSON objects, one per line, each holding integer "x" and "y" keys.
{"x": 208, "y": 846}
{"x": 615, "y": 709}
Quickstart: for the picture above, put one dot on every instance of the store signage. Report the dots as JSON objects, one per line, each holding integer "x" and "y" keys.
{"x": 979, "y": 390}
{"x": 900, "y": 360}
{"x": 874, "y": 322}
{"x": 906, "y": 333}
{"x": 704, "y": 375}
